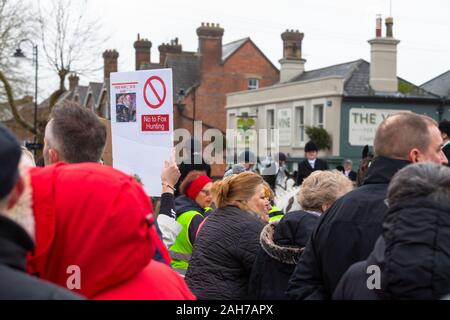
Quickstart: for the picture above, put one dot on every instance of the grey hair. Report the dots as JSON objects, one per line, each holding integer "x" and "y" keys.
{"x": 236, "y": 169}
{"x": 423, "y": 179}
{"x": 348, "y": 161}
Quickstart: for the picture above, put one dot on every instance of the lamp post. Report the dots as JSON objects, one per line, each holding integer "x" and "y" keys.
{"x": 19, "y": 54}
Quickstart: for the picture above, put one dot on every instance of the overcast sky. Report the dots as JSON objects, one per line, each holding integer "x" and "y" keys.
{"x": 336, "y": 31}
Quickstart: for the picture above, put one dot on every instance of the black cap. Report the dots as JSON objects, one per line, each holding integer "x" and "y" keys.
{"x": 10, "y": 154}
{"x": 444, "y": 126}
{"x": 310, "y": 146}
{"x": 281, "y": 156}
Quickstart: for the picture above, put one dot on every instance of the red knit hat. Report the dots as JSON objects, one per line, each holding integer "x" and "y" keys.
{"x": 196, "y": 186}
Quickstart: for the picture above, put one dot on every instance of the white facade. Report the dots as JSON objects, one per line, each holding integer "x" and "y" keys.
{"x": 291, "y": 107}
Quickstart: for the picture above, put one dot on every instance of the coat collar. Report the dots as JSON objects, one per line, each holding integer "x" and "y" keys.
{"x": 15, "y": 243}
{"x": 382, "y": 170}
{"x": 283, "y": 254}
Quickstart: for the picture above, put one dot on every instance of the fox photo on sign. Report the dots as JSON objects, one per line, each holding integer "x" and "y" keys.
{"x": 142, "y": 124}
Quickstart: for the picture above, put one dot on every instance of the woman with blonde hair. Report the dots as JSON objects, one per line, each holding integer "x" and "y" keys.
{"x": 228, "y": 242}
{"x": 283, "y": 242}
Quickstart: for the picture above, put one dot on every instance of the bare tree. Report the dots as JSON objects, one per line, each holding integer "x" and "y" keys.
{"x": 70, "y": 38}
{"x": 16, "y": 23}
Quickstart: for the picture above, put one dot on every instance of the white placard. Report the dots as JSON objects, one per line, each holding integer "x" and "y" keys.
{"x": 284, "y": 120}
{"x": 363, "y": 124}
{"x": 142, "y": 124}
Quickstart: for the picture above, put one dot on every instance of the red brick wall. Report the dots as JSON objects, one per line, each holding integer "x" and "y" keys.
{"x": 217, "y": 80}
{"x": 246, "y": 63}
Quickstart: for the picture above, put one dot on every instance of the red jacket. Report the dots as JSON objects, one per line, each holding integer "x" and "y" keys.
{"x": 99, "y": 220}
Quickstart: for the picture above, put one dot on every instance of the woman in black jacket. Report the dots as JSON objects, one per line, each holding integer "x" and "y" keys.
{"x": 411, "y": 259}
{"x": 282, "y": 242}
{"x": 228, "y": 241}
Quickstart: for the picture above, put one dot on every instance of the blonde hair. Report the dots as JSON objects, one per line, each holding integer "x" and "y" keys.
{"x": 235, "y": 188}
{"x": 323, "y": 188}
{"x": 268, "y": 192}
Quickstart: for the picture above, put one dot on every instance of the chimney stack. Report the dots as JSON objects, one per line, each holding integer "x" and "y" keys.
{"x": 383, "y": 61}
{"x": 73, "y": 81}
{"x": 165, "y": 48}
{"x": 210, "y": 45}
{"x": 292, "y": 63}
{"x": 110, "y": 62}
{"x": 142, "y": 47}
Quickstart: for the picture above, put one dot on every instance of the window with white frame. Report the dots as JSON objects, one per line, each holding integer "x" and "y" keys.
{"x": 270, "y": 119}
{"x": 300, "y": 124}
{"x": 253, "y": 84}
{"x": 318, "y": 116}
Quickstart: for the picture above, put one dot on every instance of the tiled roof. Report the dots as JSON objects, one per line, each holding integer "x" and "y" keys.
{"x": 341, "y": 70}
{"x": 230, "y": 48}
{"x": 94, "y": 89}
{"x": 439, "y": 85}
{"x": 185, "y": 70}
{"x": 81, "y": 92}
{"x": 357, "y": 81}
{"x": 150, "y": 66}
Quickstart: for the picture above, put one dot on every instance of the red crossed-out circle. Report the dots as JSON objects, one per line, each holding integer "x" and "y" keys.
{"x": 150, "y": 84}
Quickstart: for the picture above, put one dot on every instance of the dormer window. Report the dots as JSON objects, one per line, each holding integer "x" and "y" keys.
{"x": 253, "y": 84}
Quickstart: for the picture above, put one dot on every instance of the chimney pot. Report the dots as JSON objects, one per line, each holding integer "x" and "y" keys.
{"x": 378, "y": 26}
{"x": 210, "y": 45}
{"x": 73, "y": 81}
{"x": 292, "y": 64}
{"x": 142, "y": 52}
{"x": 389, "y": 27}
{"x": 170, "y": 47}
{"x": 110, "y": 62}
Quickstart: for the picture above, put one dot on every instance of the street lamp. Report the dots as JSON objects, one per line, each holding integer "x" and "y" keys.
{"x": 19, "y": 54}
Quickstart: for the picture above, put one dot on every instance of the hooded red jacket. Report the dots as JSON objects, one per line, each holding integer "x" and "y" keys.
{"x": 99, "y": 220}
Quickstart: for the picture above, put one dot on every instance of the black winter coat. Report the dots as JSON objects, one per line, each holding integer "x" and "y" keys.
{"x": 282, "y": 243}
{"x": 413, "y": 255}
{"x": 304, "y": 169}
{"x": 15, "y": 283}
{"x": 345, "y": 234}
{"x": 223, "y": 255}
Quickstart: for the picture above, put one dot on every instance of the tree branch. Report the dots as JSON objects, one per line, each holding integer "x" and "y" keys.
{"x": 12, "y": 104}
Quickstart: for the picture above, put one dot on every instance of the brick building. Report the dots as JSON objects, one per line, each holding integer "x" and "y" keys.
{"x": 201, "y": 79}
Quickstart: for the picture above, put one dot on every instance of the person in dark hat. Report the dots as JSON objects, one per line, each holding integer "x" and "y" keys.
{"x": 195, "y": 161}
{"x": 249, "y": 160}
{"x": 15, "y": 242}
{"x": 444, "y": 127}
{"x": 311, "y": 163}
